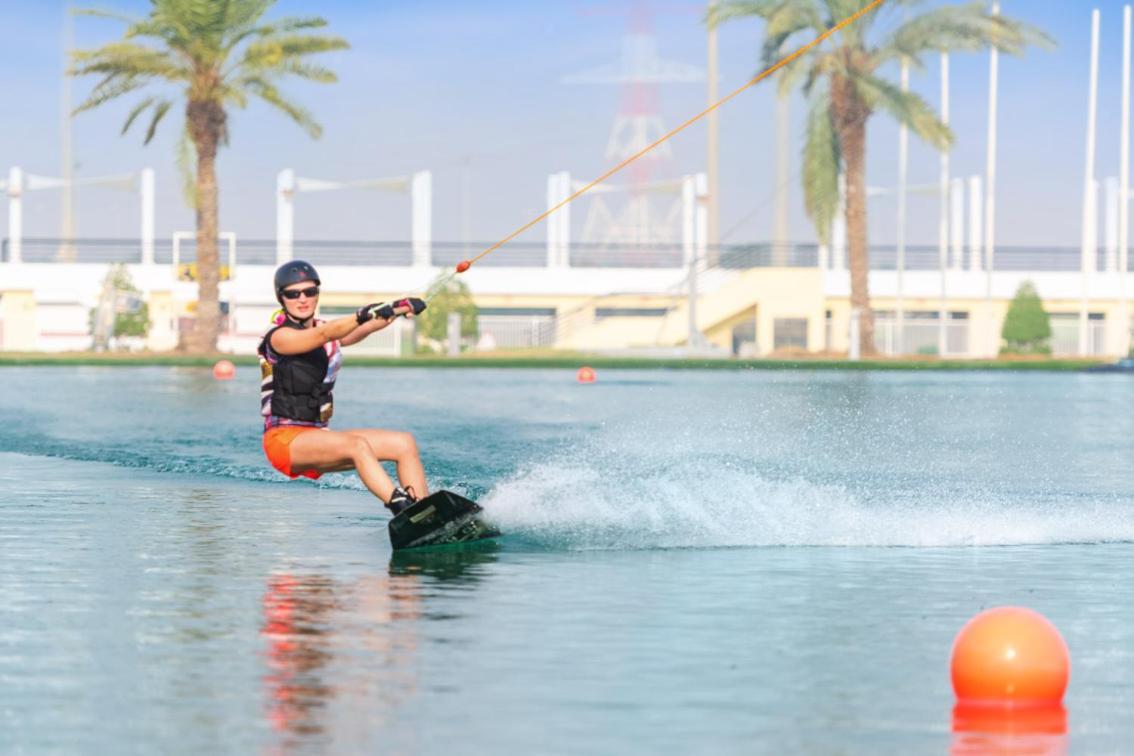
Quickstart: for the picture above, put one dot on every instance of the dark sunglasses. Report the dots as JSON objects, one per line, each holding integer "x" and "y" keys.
{"x": 310, "y": 293}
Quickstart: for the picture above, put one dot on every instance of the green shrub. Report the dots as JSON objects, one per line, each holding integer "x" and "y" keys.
{"x": 1027, "y": 327}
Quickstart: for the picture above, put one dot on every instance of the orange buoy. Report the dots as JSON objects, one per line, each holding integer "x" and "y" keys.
{"x": 1012, "y": 656}
{"x": 463, "y": 265}
{"x": 586, "y": 374}
{"x": 224, "y": 370}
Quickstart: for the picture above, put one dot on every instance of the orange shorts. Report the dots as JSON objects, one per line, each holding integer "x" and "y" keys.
{"x": 277, "y": 445}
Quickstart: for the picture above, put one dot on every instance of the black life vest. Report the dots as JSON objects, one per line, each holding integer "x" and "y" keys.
{"x": 298, "y": 387}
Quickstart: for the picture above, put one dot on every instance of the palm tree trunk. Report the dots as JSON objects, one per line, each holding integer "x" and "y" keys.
{"x": 851, "y": 115}
{"x": 205, "y": 123}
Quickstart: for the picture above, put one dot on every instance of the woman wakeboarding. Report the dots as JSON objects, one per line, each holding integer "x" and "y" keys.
{"x": 300, "y": 358}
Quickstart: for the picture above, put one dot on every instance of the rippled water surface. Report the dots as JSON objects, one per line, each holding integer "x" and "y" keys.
{"x": 696, "y": 562}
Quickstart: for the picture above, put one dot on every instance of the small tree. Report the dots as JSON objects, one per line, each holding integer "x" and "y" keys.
{"x": 1027, "y": 327}
{"x": 121, "y": 310}
{"x": 454, "y": 296}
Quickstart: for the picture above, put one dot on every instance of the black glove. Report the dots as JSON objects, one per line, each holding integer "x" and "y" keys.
{"x": 370, "y": 311}
{"x": 417, "y": 306}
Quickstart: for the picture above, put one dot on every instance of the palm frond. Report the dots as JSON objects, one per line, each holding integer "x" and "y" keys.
{"x": 905, "y": 107}
{"x": 786, "y": 21}
{"x": 961, "y": 28}
{"x": 159, "y": 113}
{"x": 720, "y": 13}
{"x": 102, "y": 13}
{"x": 246, "y": 13}
{"x": 821, "y": 163}
{"x": 272, "y": 50}
{"x": 283, "y": 26}
{"x": 309, "y": 71}
{"x": 137, "y": 111}
{"x": 127, "y": 58}
{"x": 269, "y": 94}
{"x": 110, "y": 88}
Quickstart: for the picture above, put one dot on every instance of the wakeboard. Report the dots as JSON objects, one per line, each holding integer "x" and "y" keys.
{"x": 440, "y": 519}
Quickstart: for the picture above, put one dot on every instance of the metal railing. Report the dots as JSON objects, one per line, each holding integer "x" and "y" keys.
{"x": 516, "y": 331}
{"x": 920, "y": 335}
{"x": 534, "y": 254}
{"x": 1065, "y": 337}
{"x": 1029, "y": 258}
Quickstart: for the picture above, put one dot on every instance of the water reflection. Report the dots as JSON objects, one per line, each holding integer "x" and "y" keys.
{"x": 458, "y": 566}
{"x": 299, "y": 633}
{"x": 1029, "y": 731}
{"x": 352, "y": 646}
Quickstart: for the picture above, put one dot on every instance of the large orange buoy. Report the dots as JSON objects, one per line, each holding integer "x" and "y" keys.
{"x": 586, "y": 374}
{"x": 1012, "y": 656}
{"x": 224, "y": 370}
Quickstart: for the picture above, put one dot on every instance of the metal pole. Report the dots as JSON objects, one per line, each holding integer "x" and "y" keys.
{"x": 943, "y": 219}
{"x": 903, "y": 171}
{"x": 466, "y": 205}
{"x": 783, "y": 148}
{"x": 700, "y": 246}
{"x": 67, "y": 201}
{"x": 976, "y": 222}
{"x": 285, "y": 215}
{"x": 15, "y": 214}
{"x": 564, "y": 214}
{"x": 990, "y": 188}
{"x": 421, "y": 200}
{"x": 712, "y": 161}
{"x": 1110, "y": 224}
{"x": 146, "y": 195}
{"x": 957, "y": 222}
{"x": 553, "y": 199}
{"x": 689, "y": 251}
{"x": 1124, "y": 191}
{"x": 1089, "y": 213}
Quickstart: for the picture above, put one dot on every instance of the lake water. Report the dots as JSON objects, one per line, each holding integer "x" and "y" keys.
{"x": 696, "y": 562}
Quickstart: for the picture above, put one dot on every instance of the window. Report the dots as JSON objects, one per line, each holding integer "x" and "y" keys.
{"x": 744, "y": 338}
{"x": 526, "y": 311}
{"x": 630, "y": 312}
{"x": 790, "y": 333}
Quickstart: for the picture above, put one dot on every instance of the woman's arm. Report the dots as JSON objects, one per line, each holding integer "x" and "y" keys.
{"x": 408, "y": 307}
{"x": 362, "y": 331}
{"x": 300, "y": 340}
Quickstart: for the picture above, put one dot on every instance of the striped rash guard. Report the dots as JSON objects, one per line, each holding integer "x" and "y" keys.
{"x": 296, "y": 389}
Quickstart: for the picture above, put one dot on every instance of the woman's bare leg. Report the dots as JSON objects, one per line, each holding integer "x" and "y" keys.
{"x": 332, "y": 451}
{"x": 401, "y": 448}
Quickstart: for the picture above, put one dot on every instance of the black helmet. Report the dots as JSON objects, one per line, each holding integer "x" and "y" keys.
{"x": 293, "y": 272}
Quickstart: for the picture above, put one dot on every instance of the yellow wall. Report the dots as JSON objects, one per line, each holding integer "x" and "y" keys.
{"x": 17, "y": 313}
{"x": 163, "y": 321}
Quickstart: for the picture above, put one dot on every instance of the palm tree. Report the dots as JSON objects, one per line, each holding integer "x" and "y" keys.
{"x": 845, "y": 85}
{"x": 215, "y": 54}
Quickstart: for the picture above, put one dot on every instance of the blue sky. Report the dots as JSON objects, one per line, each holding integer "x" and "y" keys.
{"x": 460, "y": 86}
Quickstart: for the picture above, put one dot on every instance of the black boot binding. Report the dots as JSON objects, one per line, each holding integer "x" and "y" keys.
{"x": 400, "y": 500}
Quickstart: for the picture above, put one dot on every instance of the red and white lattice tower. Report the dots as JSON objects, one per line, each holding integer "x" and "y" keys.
{"x": 645, "y": 210}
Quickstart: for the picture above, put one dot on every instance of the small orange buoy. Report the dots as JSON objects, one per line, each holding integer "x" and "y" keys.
{"x": 463, "y": 265}
{"x": 224, "y": 370}
{"x": 586, "y": 374}
{"x": 1010, "y": 655}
